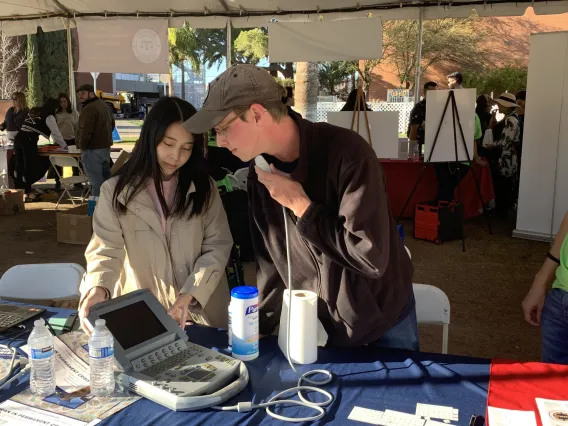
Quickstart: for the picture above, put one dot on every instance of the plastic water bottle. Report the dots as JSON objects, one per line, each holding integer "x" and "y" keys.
{"x": 415, "y": 154}
{"x": 42, "y": 360}
{"x": 101, "y": 360}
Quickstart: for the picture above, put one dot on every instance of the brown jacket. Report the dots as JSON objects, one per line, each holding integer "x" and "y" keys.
{"x": 345, "y": 247}
{"x": 95, "y": 125}
{"x": 130, "y": 251}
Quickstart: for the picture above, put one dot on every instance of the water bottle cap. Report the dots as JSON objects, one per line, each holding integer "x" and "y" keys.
{"x": 100, "y": 322}
{"x": 39, "y": 322}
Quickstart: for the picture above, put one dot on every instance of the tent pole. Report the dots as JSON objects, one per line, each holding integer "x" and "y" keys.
{"x": 418, "y": 55}
{"x": 229, "y": 43}
{"x": 72, "y": 95}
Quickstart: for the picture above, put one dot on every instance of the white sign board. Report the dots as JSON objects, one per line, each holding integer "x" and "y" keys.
{"x": 445, "y": 148}
{"x": 384, "y": 129}
{"x": 122, "y": 45}
{"x": 350, "y": 39}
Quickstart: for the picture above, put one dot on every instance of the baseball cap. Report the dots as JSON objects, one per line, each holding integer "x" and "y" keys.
{"x": 240, "y": 86}
{"x": 86, "y": 87}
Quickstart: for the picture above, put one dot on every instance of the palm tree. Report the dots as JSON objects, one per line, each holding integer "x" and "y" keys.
{"x": 183, "y": 47}
{"x": 306, "y": 89}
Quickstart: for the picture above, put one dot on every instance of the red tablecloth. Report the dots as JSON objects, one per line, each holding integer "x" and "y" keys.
{"x": 515, "y": 385}
{"x": 403, "y": 174}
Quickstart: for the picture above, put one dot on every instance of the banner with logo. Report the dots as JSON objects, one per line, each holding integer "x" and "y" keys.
{"x": 123, "y": 45}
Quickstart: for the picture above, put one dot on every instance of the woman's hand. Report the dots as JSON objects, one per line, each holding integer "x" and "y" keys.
{"x": 94, "y": 296}
{"x": 180, "y": 309}
{"x": 534, "y": 302}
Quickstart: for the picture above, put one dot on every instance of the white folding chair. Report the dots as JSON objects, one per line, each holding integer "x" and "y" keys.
{"x": 41, "y": 281}
{"x": 68, "y": 182}
{"x": 433, "y": 307}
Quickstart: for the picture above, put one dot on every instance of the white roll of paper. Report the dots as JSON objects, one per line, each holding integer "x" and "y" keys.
{"x": 303, "y": 326}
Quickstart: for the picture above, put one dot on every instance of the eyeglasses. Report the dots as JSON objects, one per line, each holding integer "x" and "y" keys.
{"x": 223, "y": 131}
{"x": 14, "y": 99}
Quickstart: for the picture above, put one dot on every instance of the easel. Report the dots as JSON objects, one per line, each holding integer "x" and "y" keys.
{"x": 455, "y": 115}
{"x": 361, "y": 100}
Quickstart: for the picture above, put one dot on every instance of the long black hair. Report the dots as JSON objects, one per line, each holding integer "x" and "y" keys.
{"x": 69, "y": 107}
{"x": 48, "y": 108}
{"x": 143, "y": 164}
{"x": 352, "y": 100}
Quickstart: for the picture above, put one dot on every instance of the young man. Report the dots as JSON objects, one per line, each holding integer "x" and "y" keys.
{"x": 343, "y": 241}
{"x": 418, "y": 117}
{"x": 455, "y": 80}
{"x": 95, "y": 137}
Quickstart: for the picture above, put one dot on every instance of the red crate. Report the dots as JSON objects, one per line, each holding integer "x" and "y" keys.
{"x": 438, "y": 222}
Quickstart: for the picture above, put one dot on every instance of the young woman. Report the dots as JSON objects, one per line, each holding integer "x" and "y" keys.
{"x": 159, "y": 224}
{"x": 15, "y": 116}
{"x": 67, "y": 119}
{"x": 549, "y": 311}
{"x": 39, "y": 121}
{"x": 506, "y": 139}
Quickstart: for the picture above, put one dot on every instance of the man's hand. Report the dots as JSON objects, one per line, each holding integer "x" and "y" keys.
{"x": 533, "y": 304}
{"x": 283, "y": 189}
{"x": 94, "y": 296}
{"x": 481, "y": 162}
{"x": 179, "y": 310}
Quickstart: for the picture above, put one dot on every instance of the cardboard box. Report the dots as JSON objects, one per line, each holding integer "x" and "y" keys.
{"x": 120, "y": 161}
{"x": 74, "y": 226}
{"x": 12, "y": 202}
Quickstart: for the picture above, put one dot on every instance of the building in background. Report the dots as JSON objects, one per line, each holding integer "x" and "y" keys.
{"x": 195, "y": 86}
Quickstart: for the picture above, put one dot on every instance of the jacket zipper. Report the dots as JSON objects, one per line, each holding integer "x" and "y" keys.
{"x": 312, "y": 257}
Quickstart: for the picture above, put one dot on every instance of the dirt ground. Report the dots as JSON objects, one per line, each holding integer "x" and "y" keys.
{"x": 485, "y": 285}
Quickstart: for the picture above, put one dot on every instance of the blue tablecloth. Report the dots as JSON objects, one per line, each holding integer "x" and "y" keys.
{"x": 366, "y": 377}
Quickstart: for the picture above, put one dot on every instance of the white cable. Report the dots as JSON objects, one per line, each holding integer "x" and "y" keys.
{"x": 17, "y": 376}
{"x": 243, "y": 407}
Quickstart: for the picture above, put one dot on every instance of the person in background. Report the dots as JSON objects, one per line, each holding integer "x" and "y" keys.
{"x": 520, "y": 110}
{"x": 352, "y": 100}
{"x": 548, "y": 311}
{"x": 15, "y": 116}
{"x": 418, "y": 118}
{"x": 67, "y": 119}
{"x": 160, "y": 225}
{"x": 39, "y": 122}
{"x": 95, "y": 137}
{"x": 483, "y": 108}
{"x": 343, "y": 240}
{"x": 505, "y": 140}
{"x": 288, "y": 98}
{"x": 455, "y": 80}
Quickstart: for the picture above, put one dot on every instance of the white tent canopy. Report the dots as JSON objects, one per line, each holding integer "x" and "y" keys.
{"x": 19, "y": 17}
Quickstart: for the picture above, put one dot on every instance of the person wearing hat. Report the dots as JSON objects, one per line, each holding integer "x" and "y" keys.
{"x": 343, "y": 241}
{"x": 506, "y": 139}
{"x": 94, "y": 137}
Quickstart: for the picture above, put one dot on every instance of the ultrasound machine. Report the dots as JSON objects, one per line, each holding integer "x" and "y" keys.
{"x": 159, "y": 363}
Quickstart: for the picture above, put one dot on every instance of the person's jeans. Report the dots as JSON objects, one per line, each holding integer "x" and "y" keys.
{"x": 96, "y": 163}
{"x": 403, "y": 335}
{"x": 554, "y": 327}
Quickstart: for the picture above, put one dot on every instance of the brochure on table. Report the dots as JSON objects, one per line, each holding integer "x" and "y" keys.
{"x": 78, "y": 404}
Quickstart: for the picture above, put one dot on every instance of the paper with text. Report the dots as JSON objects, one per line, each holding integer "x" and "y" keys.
{"x": 15, "y": 414}
{"x": 360, "y": 414}
{"x": 437, "y": 412}
{"x": 504, "y": 417}
{"x": 552, "y": 412}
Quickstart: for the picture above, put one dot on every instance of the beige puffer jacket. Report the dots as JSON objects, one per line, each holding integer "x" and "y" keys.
{"x": 130, "y": 251}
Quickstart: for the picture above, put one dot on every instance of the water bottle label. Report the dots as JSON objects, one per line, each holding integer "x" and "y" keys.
{"x": 101, "y": 352}
{"x": 42, "y": 353}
